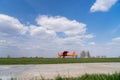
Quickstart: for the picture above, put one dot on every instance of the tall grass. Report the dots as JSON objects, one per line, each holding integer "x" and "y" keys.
{"x": 114, "y": 76}
{"x": 55, "y": 60}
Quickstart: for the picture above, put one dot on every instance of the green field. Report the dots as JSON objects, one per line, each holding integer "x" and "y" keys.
{"x": 55, "y": 60}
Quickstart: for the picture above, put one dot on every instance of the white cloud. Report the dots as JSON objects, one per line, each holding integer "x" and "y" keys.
{"x": 92, "y": 43}
{"x": 41, "y": 32}
{"x": 113, "y": 47}
{"x": 49, "y": 26}
{"x": 102, "y": 5}
{"x": 89, "y": 36}
{"x": 62, "y": 24}
{"x": 71, "y": 40}
{"x": 11, "y": 26}
{"x": 117, "y": 39}
{"x": 115, "y": 42}
{"x": 2, "y": 41}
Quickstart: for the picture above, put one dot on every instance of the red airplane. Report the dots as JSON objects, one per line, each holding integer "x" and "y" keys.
{"x": 65, "y": 53}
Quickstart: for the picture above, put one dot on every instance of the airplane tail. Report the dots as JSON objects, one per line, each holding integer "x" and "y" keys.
{"x": 59, "y": 55}
{"x": 73, "y": 53}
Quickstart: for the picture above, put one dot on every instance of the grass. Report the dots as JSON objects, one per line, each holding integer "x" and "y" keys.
{"x": 114, "y": 76}
{"x": 10, "y": 61}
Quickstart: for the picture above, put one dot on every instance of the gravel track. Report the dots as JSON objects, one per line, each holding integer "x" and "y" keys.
{"x": 50, "y": 71}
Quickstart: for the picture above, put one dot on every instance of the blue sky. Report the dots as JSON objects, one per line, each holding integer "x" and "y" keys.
{"x": 46, "y": 27}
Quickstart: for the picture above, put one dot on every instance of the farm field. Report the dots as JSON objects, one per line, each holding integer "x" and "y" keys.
{"x": 55, "y": 60}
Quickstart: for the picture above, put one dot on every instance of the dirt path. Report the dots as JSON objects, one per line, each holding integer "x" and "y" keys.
{"x": 52, "y": 70}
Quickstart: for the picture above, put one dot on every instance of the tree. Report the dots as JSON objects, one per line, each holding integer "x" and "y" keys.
{"x": 83, "y": 54}
{"x": 88, "y": 54}
{"x": 8, "y": 56}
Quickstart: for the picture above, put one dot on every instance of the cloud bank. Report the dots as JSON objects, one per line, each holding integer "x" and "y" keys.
{"x": 59, "y": 29}
{"x": 50, "y": 34}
